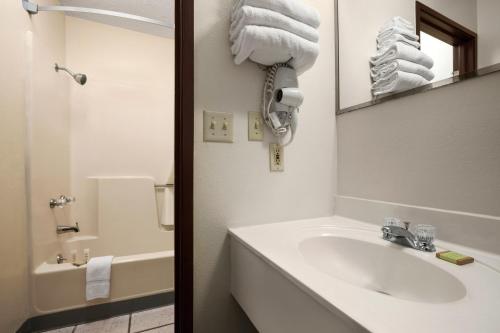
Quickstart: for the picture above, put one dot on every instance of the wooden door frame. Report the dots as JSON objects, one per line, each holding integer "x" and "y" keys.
{"x": 184, "y": 123}
{"x": 464, "y": 40}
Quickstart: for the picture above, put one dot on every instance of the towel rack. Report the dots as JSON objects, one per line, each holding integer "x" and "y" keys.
{"x": 163, "y": 186}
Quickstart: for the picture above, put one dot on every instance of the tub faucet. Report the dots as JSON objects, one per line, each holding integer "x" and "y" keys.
{"x": 421, "y": 241}
{"x": 63, "y": 229}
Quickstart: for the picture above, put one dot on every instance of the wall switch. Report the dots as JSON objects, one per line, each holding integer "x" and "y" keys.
{"x": 276, "y": 158}
{"x": 217, "y": 126}
{"x": 255, "y": 126}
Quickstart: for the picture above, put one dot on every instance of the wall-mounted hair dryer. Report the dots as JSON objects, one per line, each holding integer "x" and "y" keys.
{"x": 281, "y": 100}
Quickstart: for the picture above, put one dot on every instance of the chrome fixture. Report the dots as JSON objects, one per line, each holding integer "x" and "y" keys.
{"x": 61, "y": 201}
{"x": 34, "y": 8}
{"x": 64, "y": 229}
{"x": 78, "y": 77}
{"x": 60, "y": 259}
{"x": 393, "y": 231}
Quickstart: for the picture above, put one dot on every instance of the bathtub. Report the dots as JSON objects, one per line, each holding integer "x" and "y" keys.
{"x": 58, "y": 287}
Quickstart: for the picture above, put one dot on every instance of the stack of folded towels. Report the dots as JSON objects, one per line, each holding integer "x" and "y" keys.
{"x": 275, "y": 31}
{"x": 399, "y": 64}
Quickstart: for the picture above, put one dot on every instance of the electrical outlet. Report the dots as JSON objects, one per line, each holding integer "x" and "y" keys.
{"x": 217, "y": 126}
{"x": 276, "y": 158}
{"x": 255, "y": 126}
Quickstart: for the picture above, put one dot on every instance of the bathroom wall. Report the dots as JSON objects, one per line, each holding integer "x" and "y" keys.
{"x": 122, "y": 126}
{"x": 436, "y": 152}
{"x": 48, "y": 132}
{"x": 14, "y": 272}
{"x": 489, "y": 32}
{"x": 360, "y": 21}
{"x": 233, "y": 185}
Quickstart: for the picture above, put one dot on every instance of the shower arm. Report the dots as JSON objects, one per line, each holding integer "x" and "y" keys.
{"x": 64, "y": 69}
{"x": 34, "y": 8}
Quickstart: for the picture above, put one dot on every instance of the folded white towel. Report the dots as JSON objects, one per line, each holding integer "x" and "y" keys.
{"x": 393, "y": 39}
{"x": 295, "y": 9}
{"x": 397, "y": 21}
{"x": 397, "y": 82}
{"x": 387, "y": 34}
{"x": 268, "y": 46}
{"x": 405, "y": 52}
{"x": 247, "y": 15}
{"x": 383, "y": 70}
{"x": 98, "y": 277}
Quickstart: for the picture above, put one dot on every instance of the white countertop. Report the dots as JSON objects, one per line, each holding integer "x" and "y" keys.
{"x": 478, "y": 311}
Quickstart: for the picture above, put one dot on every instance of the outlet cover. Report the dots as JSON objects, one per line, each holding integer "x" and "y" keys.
{"x": 276, "y": 158}
{"x": 217, "y": 127}
{"x": 255, "y": 126}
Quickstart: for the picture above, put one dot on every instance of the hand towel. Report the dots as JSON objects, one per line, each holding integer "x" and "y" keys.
{"x": 98, "y": 277}
{"x": 268, "y": 46}
{"x": 409, "y": 34}
{"x": 405, "y": 52}
{"x": 295, "y": 9}
{"x": 247, "y": 15}
{"x": 397, "y": 21}
{"x": 397, "y": 82}
{"x": 393, "y": 39}
{"x": 386, "y": 69}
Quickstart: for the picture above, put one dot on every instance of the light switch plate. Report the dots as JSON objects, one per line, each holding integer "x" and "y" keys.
{"x": 255, "y": 126}
{"x": 276, "y": 158}
{"x": 217, "y": 126}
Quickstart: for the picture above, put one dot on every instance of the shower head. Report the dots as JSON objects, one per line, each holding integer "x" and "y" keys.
{"x": 78, "y": 77}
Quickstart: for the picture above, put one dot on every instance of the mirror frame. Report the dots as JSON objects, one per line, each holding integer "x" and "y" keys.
{"x": 435, "y": 85}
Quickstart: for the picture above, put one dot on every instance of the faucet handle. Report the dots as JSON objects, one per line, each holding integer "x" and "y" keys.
{"x": 425, "y": 233}
{"x": 392, "y": 222}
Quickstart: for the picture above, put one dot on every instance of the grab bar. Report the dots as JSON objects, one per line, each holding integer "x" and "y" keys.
{"x": 162, "y": 186}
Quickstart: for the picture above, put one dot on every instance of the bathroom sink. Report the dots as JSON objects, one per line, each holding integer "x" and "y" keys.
{"x": 385, "y": 269}
{"x": 336, "y": 274}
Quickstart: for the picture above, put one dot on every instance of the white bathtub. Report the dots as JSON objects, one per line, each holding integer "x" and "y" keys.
{"x": 58, "y": 287}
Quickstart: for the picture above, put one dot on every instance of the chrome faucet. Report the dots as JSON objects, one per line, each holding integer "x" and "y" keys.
{"x": 61, "y": 201}
{"x": 60, "y": 259}
{"x": 63, "y": 229}
{"x": 421, "y": 240}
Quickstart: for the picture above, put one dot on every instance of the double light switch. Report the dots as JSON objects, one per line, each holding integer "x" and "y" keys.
{"x": 217, "y": 126}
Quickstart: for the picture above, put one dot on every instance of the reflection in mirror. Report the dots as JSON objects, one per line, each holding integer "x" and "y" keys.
{"x": 392, "y": 46}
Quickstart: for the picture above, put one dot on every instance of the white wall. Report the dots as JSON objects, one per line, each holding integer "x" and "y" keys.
{"x": 439, "y": 149}
{"x": 360, "y": 21}
{"x": 14, "y": 272}
{"x": 489, "y": 32}
{"x": 233, "y": 185}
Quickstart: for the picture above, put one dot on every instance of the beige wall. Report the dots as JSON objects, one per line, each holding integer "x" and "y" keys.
{"x": 233, "y": 185}
{"x": 438, "y": 149}
{"x": 48, "y": 121}
{"x": 14, "y": 272}
{"x": 122, "y": 125}
{"x": 489, "y": 32}
{"x": 360, "y": 22}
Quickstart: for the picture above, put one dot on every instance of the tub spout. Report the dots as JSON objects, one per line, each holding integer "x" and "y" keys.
{"x": 63, "y": 229}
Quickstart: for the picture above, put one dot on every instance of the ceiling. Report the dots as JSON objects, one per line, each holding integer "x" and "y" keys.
{"x": 162, "y": 10}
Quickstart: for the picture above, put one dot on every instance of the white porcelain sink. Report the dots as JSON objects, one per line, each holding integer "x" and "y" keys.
{"x": 383, "y": 269}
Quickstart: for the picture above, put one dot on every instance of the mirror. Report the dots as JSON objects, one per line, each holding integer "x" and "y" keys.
{"x": 392, "y": 48}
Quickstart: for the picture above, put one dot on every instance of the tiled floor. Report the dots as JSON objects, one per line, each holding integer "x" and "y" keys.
{"x": 159, "y": 320}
